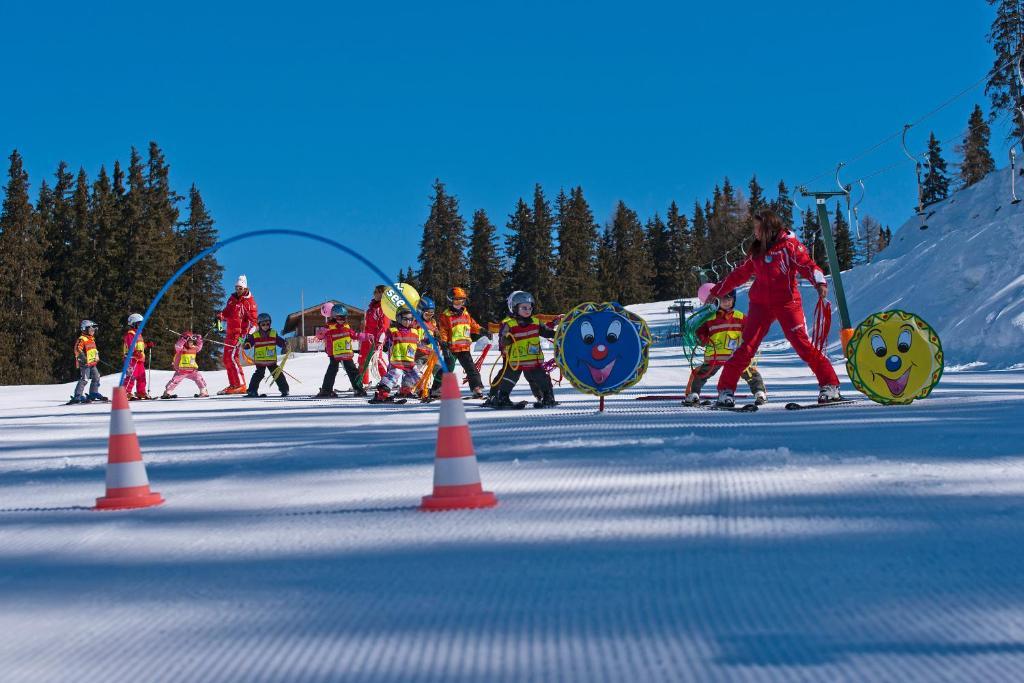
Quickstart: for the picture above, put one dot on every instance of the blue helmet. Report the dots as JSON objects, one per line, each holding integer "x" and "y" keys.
{"x": 426, "y": 304}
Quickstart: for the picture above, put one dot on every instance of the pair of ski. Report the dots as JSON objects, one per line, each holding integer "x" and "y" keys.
{"x": 89, "y": 401}
{"x": 752, "y": 407}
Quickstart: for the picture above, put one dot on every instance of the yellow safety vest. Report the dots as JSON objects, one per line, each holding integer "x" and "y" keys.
{"x": 725, "y": 335}
{"x": 403, "y": 346}
{"x": 264, "y": 349}
{"x": 187, "y": 361}
{"x": 525, "y": 343}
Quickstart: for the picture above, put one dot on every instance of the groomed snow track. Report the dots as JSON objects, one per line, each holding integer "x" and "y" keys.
{"x": 649, "y": 543}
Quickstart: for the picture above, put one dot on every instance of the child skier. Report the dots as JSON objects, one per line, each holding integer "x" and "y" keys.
{"x": 402, "y": 341}
{"x": 87, "y": 357}
{"x": 186, "y": 350}
{"x": 519, "y": 343}
{"x": 137, "y": 365}
{"x": 264, "y": 342}
{"x": 425, "y": 352}
{"x": 375, "y": 327}
{"x": 337, "y": 338}
{"x": 458, "y": 332}
{"x": 721, "y": 336}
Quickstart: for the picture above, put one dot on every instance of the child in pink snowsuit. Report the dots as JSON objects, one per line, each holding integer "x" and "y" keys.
{"x": 186, "y": 349}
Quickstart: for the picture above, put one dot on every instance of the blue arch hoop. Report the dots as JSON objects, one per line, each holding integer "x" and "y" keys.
{"x": 261, "y": 233}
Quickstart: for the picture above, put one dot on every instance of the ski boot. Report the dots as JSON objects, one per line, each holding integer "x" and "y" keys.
{"x": 477, "y": 393}
{"x": 382, "y": 395}
{"x": 166, "y": 396}
{"x": 139, "y": 396}
{"x": 203, "y": 393}
{"x": 547, "y": 400}
{"x": 725, "y": 399}
{"x": 284, "y": 393}
{"x": 326, "y": 393}
{"x": 692, "y": 399}
{"x": 760, "y": 398}
{"x": 829, "y": 393}
{"x": 500, "y": 402}
{"x": 97, "y": 396}
{"x": 236, "y": 390}
{"x": 359, "y": 391}
{"x": 78, "y": 400}
{"x": 252, "y": 393}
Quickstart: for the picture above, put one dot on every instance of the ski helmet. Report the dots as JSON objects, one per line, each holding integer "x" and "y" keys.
{"x": 134, "y": 319}
{"x": 338, "y": 311}
{"x": 518, "y": 297}
{"x": 456, "y": 293}
{"x": 426, "y": 304}
{"x": 263, "y": 318}
{"x": 404, "y": 312}
{"x": 86, "y": 324}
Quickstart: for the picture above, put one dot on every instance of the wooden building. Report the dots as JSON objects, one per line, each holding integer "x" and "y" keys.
{"x": 312, "y": 318}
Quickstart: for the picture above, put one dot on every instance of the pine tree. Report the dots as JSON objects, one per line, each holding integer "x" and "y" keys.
{"x": 576, "y": 266}
{"x": 810, "y": 235}
{"x": 661, "y": 261}
{"x": 485, "y": 273}
{"x": 783, "y": 204}
{"x": 756, "y": 201}
{"x": 443, "y": 246}
{"x": 870, "y": 238}
{"x": 607, "y": 266}
{"x": 1003, "y": 87}
{"x": 936, "y": 181}
{"x": 200, "y": 290}
{"x": 546, "y": 292}
{"x": 26, "y": 325}
{"x": 843, "y": 241}
{"x": 110, "y": 235}
{"x": 680, "y": 280}
{"x": 977, "y": 160}
{"x": 699, "y": 241}
{"x": 66, "y": 261}
{"x": 633, "y": 263}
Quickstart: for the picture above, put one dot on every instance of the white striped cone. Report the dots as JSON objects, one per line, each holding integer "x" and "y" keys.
{"x": 456, "y": 474}
{"x": 127, "y": 483}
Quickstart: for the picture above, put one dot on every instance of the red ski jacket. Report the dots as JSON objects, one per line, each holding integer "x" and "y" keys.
{"x": 375, "y": 322}
{"x": 774, "y": 272}
{"x": 240, "y": 314}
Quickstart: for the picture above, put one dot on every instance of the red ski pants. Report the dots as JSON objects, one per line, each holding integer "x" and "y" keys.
{"x": 136, "y": 377}
{"x": 756, "y": 325}
{"x": 236, "y": 376}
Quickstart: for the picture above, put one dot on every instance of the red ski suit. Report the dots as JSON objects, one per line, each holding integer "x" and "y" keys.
{"x": 375, "y": 325}
{"x": 137, "y": 366}
{"x": 775, "y": 295}
{"x": 240, "y": 314}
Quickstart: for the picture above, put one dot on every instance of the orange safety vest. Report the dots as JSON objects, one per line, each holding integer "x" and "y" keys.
{"x": 403, "y": 346}
{"x": 87, "y": 345}
{"x": 461, "y": 327}
{"x": 524, "y": 351}
{"x": 338, "y": 341}
{"x": 140, "y": 345}
{"x": 264, "y": 348}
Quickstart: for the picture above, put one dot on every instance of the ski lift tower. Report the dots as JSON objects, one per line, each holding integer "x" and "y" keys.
{"x": 820, "y": 198}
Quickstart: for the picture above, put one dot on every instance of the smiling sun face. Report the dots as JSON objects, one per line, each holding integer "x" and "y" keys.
{"x": 602, "y": 349}
{"x": 894, "y": 357}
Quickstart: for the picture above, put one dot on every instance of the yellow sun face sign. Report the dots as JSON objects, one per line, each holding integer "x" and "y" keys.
{"x": 894, "y": 357}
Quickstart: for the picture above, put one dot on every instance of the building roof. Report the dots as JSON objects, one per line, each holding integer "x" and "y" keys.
{"x": 292, "y": 322}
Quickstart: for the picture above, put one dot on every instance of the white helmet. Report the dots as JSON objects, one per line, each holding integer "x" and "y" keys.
{"x": 86, "y": 324}
{"x": 518, "y": 297}
{"x": 134, "y": 319}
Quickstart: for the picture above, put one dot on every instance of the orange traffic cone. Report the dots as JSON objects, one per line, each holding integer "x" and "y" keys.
{"x": 456, "y": 475}
{"x": 127, "y": 483}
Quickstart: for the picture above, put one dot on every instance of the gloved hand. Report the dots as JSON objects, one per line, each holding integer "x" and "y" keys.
{"x": 822, "y": 288}
{"x": 150, "y": 344}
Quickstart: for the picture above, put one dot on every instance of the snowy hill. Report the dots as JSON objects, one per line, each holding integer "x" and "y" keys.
{"x": 963, "y": 274}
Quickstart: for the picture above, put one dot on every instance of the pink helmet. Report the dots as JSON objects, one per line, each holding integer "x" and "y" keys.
{"x": 705, "y": 291}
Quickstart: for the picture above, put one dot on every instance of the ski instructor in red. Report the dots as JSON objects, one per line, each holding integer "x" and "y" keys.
{"x": 240, "y": 314}
{"x": 774, "y": 260}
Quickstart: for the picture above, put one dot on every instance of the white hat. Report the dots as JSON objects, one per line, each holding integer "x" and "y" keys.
{"x": 242, "y": 282}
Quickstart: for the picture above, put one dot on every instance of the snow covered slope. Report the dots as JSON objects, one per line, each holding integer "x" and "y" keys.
{"x": 964, "y": 274}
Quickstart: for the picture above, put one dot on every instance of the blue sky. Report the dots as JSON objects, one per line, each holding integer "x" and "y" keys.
{"x": 336, "y": 119}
